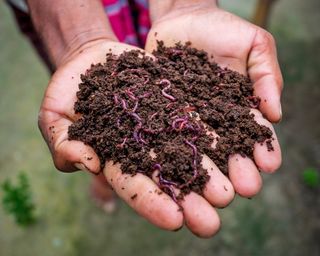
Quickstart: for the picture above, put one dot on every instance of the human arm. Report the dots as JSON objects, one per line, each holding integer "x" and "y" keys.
{"x": 68, "y": 26}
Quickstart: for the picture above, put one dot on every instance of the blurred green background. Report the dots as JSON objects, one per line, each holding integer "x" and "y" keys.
{"x": 284, "y": 219}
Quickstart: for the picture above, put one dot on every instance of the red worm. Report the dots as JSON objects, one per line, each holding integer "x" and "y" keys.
{"x": 163, "y": 91}
{"x": 123, "y": 143}
{"x": 124, "y": 104}
{"x": 254, "y": 101}
{"x": 130, "y": 94}
{"x": 178, "y": 120}
{"x": 141, "y": 138}
{"x": 135, "y": 107}
{"x": 137, "y": 117}
{"x": 153, "y": 115}
{"x": 163, "y": 183}
{"x": 195, "y": 171}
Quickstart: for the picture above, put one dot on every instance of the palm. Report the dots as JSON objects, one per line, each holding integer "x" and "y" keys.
{"x": 224, "y": 36}
{"x": 57, "y": 112}
{"x": 233, "y": 43}
{"x": 241, "y": 46}
{"x": 57, "y": 115}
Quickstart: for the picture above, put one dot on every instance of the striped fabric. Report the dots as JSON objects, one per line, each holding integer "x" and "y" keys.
{"x": 129, "y": 20}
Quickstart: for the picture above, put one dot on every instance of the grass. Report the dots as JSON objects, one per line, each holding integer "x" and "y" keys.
{"x": 17, "y": 200}
{"x": 311, "y": 177}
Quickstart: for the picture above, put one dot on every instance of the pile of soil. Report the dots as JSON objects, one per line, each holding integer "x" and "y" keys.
{"x": 145, "y": 114}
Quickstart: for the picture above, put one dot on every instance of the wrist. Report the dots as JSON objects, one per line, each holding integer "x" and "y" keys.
{"x": 86, "y": 45}
{"x": 158, "y": 9}
{"x": 67, "y": 26}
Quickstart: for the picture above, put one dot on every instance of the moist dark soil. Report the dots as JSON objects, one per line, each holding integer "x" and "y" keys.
{"x": 158, "y": 115}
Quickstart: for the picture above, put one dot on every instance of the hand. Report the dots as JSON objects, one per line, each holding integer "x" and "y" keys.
{"x": 246, "y": 48}
{"x": 57, "y": 114}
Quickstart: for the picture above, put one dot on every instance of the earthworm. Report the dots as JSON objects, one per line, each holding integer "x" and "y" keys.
{"x": 172, "y": 194}
{"x": 123, "y": 143}
{"x": 254, "y": 101}
{"x": 135, "y": 107}
{"x": 136, "y": 117}
{"x": 153, "y": 115}
{"x": 137, "y": 129}
{"x": 166, "y": 183}
{"x": 169, "y": 105}
{"x": 146, "y": 80}
{"x": 118, "y": 122}
{"x": 166, "y": 95}
{"x": 141, "y": 138}
{"x": 163, "y": 91}
{"x": 195, "y": 171}
{"x": 182, "y": 122}
{"x": 130, "y": 94}
{"x": 124, "y": 104}
{"x": 161, "y": 179}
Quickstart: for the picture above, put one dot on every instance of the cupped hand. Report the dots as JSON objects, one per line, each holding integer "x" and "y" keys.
{"x": 57, "y": 108}
{"x": 57, "y": 114}
{"x": 250, "y": 50}
{"x": 139, "y": 191}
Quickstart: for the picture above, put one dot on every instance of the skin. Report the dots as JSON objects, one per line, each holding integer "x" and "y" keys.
{"x": 241, "y": 46}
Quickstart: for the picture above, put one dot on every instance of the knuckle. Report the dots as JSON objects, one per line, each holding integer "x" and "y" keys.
{"x": 268, "y": 38}
{"x": 265, "y": 41}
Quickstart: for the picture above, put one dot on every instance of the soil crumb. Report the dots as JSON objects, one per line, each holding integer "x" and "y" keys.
{"x": 132, "y": 104}
{"x": 134, "y": 196}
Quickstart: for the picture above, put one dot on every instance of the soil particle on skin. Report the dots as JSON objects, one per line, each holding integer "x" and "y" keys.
{"x": 133, "y": 104}
{"x": 269, "y": 145}
{"x": 134, "y": 196}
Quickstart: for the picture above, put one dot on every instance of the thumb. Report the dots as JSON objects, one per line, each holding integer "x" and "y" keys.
{"x": 68, "y": 155}
{"x": 264, "y": 70}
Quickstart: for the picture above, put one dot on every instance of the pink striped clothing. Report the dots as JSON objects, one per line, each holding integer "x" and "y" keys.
{"x": 129, "y": 20}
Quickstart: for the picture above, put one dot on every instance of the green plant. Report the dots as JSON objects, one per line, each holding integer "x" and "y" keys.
{"x": 311, "y": 177}
{"x": 17, "y": 200}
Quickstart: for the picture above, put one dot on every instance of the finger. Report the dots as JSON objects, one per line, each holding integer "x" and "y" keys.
{"x": 218, "y": 190}
{"x": 67, "y": 155}
{"x": 229, "y": 58}
{"x": 264, "y": 71}
{"x": 144, "y": 196}
{"x": 200, "y": 217}
{"x": 266, "y": 160}
{"x": 244, "y": 176}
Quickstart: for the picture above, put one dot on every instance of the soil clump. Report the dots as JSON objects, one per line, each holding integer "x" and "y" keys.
{"x": 158, "y": 115}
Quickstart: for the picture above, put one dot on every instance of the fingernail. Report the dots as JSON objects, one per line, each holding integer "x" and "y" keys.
{"x": 81, "y": 166}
